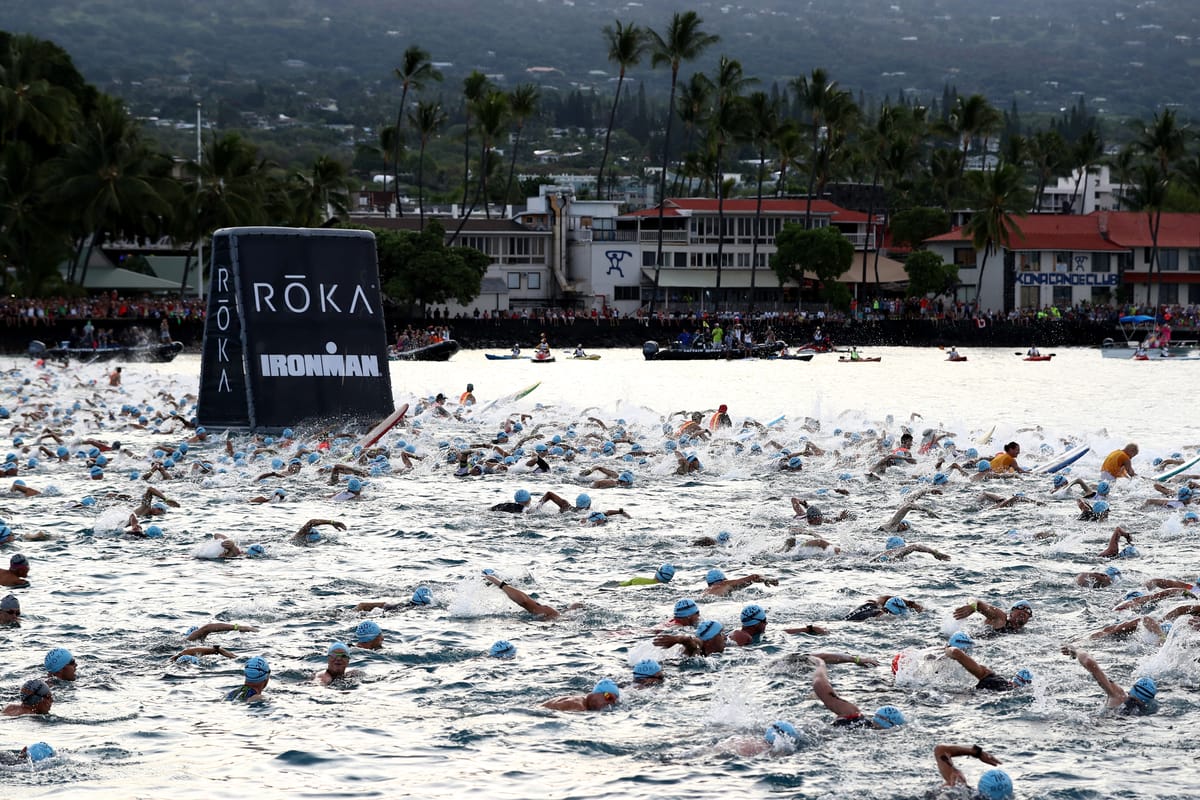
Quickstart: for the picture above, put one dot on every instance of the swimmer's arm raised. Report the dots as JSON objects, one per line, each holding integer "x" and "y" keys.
{"x": 845, "y": 658}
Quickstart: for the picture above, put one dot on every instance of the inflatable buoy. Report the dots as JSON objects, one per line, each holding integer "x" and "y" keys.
{"x": 896, "y": 662}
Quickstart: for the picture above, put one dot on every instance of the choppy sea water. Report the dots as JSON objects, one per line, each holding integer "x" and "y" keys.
{"x": 431, "y": 715}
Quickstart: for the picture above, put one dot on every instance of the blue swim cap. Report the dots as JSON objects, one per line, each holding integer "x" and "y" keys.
{"x": 1132, "y": 594}
{"x": 984, "y": 465}
{"x": 522, "y": 496}
{"x": 57, "y": 659}
{"x": 1129, "y": 551}
{"x": 1145, "y": 689}
{"x": 256, "y": 550}
{"x": 1184, "y": 493}
{"x": 540, "y": 448}
{"x": 1023, "y": 677}
{"x": 1191, "y": 515}
{"x": 1156, "y": 461}
{"x": 685, "y": 608}
{"x": 647, "y": 668}
{"x": 1102, "y": 488}
{"x": 288, "y": 433}
{"x": 596, "y": 517}
{"x": 153, "y": 532}
{"x": 338, "y": 647}
{"x": 96, "y": 472}
{"x": 607, "y": 686}
{"x": 962, "y": 641}
{"x": 188, "y": 660}
{"x": 257, "y": 669}
{"x": 625, "y": 477}
{"x": 724, "y": 536}
{"x": 276, "y": 463}
{"x": 39, "y": 751}
{"x": 995, "y": 785}
{"x": 780, "y": 728}
{"x": 940, "y": 478}
{"x": 422, "y": 596}
{"x": 894, "y": 542}
{"x": 101, "y": 461}
{"x": 669, "y": 445}
{"x": 1060, "y": 480}
{"x": 62, "y": 451}
{"x": 972, "y": 452}
{"x": 714, "y": 576}
{"x": 354, "y": 485}
{"x": 313, "y": 458}
{"x": 88, "y": 501}
{"x": 753, "y": 614}
{"x": 664, "y": 573}
{"x": 795, "y": 463}
{"x": 708, "y": 629}
{"x": 888, "y": 717}
{"x": 897, "y": 606}
{"x": 503, "y": 649}
{"x": 583, "y": 501}
{"x": 1025, "y": 604}
{"x": 1100, "y": 507}
{"x": 367, "y": 630}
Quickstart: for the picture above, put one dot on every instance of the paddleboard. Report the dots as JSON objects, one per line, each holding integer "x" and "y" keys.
{"x": 510, "y": 398}
{"x": 987, "y": 438}
{"x": 1178, "y": 470}
{"x": 1061, "y": 463}
{"x": 376, "y": 433}
{"x": 777, "y": 420}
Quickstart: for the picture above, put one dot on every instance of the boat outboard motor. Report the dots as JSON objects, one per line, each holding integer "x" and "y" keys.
{"x": 650, "y": 349}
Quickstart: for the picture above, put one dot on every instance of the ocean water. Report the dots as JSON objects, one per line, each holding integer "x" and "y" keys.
{"x": 431, "y": 716}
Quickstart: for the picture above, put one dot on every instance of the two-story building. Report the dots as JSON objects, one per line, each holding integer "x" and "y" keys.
{"x": 1063, "y": 260}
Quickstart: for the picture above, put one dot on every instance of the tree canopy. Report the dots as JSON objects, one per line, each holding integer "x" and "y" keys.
{"x": 418, "y": 268}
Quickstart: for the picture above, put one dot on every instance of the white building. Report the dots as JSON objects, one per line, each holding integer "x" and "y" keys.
{"x": 1094, "y": 192}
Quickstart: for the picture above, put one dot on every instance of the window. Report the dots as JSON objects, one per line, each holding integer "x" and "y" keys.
{"x": 1168, "y": 260}
{"x": 1193, "y": 259}
{"x": 964, "y": 257}
{"x": 1101, "y": 295}
{"x": 648, "y": 257}
{"x": 1194, "y": 294}
{"x": 1101, "y": 262}
{"x": 627, "y": 293}
{"x": 1031, "y": 297}
{"x": 681, "y": 258}
{"x": 1168, "y": 293}
{"x": 514, "y": 280}
{"x": 1062, "y": 262}
{"x": 533, "y": 280}
{"x": 743, "y": 259}
{"x": 1062, "y": 295}
{"x": 1029, "y": 262}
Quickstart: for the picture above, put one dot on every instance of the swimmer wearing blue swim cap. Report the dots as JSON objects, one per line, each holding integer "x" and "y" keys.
{"x": 754, "y": 625}
{"x": 847, "y": 714}
{"x": 721, "y": 586}
{"x": 993, "y": 784}
{"x": 307, "y": 534}
{"x": 60, "y": 664}
{"x": 1138, "y": 701}
{"x": 337, "y": 658}
{"x": 604, "y": 694}
{"x": 709, "y": 639}
{"x": 257, "y": 675}
{"x": 368, "y": 635}
{"x": 647, "y": 672}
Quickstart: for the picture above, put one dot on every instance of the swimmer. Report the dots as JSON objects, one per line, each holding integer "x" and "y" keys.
{"x": 200, "y": 633}
{"x": 897, "y": 523}
{"x": 18, "y": 570}
{"x": 1181, "y": 497}
{"x": 519, "y": 504}
{"x": 896, "y": 549}
{"x": 1098, "y": 580}
{"x": 720, "y": 419}
{"x": 277, "y": 496}
{"x": 420, "y": 597}
{"x": 848, "y": 714}
{"x": 993, "y": 784}
{"x": 605, "y": 694}
{"x": 709, "y": 639}
{"x": 1000, "y": 501}
{"x": 815, "y": 516}
{"x": 257, "y": 675}
{"x": 722, "y": 538}
{"x": 1006, "y": 460}
{"x": 1118, "y": 463}
{"x": 883, "y": 607}
{"x": 1016, "y": 619}
{"x": 540, "y": 611}
{"x": 306, "y": 534}
{"x": 1113, "y": 549}
{"x": 583, "y": 502}
{"x": 988, "y": 680}
{"x": 353, "y": 491}
{"x": 754, "y": 625}
{"x": 612, "y": 479}
{"x": 189, "y": 654}
{"x": 687, "y": 464}
{"x": 720, "y": 586}
{"x": 10, "y": 611}
{"x": 662, "y": 575}
{"x": 1093, "y": 512}
{"x": 60, "y": 664}
{"x": 19, "y": 487}
{"x": 467, "y": 398}
{"x": 153, "y": 503}
{"x": 36, "y": 698}
{"x": 38, "y": 751}
{"x": 1130, "y": 627}
{"x": 337, "y": 658}
{"x": 368, "y": 635}
{"x": 686, "y": 613}
{"x": 229, "y": 547}
{"x": 647, "y": 673}
{"x": 1138, "y": 701}
{"x": 114, "y": 377}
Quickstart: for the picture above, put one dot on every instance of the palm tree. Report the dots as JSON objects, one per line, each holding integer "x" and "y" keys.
{"x": 996, "y": 197}
{"x": 626, "y": 46}
{"x": 491, "y": 110}
{"x": 945, "y": 173}
{"x": 763, "y": 114}
{"x": 684, "y": 41}
{"x": 695, "y": 100}
{"x": 788, "y": 145}
{"x": 428, "y": 118}
{"x": 1085, "y": 154}
{"x": 1149, "y": 194}
{"x": 475, "y": 86}
{"x": 414, "y": 72}
{"x": 726, "y": 126}
{"x": 899, "y": 158}
{"x": 522, "y": 104}
{"x": 820, "y": 97}
{"x": 1048, "y": 154}
{"x": 324, "y": 187}
{"x": 841, "y": 115}
{"x": 1163, "y": 142}
{"x": 1122, "y": 165}
{"x": 971, "y": 118}
{"x": 29, "y": 101}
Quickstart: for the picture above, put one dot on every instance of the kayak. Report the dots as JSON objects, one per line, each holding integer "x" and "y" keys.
{"x": 844, "y": 360}
{"x": 505, "y": 357}
{"x": 1037, "y": 358}
{"x": 957, "y": 358}
{"x": 585, "y": 358}
{"x": 543, "y": 359}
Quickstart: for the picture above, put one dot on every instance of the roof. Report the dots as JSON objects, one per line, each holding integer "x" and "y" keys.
{"x": 681, "y": 206}
{"x": 411, "y": 222}
{"x": 1132, "y": 228}
{"x": 1068, "y": 232}
{"x": 116, "y": 278}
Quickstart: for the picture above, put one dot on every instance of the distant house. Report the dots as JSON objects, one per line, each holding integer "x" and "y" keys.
{"x": 1065, "y": 259}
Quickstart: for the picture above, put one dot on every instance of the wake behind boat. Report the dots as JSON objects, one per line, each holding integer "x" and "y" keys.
{"x": 652, "y": 352}
{"x": 161, "y": 352}
{"x": 438, "y": 351}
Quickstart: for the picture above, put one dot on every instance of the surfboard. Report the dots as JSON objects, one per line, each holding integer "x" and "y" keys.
{"x": 511, "y": 398}
{"x": 987, "y": 438}
{"x": 1181, "y": 468}
{"x": 777, "y": 420}
{"x": 389, "y": 422}
{"x": 1064, "y": 461}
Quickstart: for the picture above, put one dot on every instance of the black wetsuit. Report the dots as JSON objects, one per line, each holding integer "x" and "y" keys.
{"x": 854, "y": 723}
{"x": 509, "y": 508}
{"x": 994, "y": 683}
{"x": 867, "y": 610}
